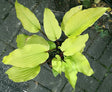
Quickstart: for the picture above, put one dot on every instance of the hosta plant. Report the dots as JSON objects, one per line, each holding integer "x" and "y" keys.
{"x": 62, "y": 56}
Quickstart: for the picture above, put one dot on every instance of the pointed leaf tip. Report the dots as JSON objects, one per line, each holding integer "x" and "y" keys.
{"x": 82, "y": 20}
{"x": 69, "y": 14}
{"x": 51, "y": 26}
{"x": 70, "y": 72}
{"x": 27, "y": 18}
{"x": 29, "y": 56}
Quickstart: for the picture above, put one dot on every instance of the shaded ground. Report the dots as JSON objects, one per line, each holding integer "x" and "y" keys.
{"x": 98, "y": 51}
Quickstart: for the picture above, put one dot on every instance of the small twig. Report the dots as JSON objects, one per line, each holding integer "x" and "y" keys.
{"x": 43, "y": 33}
{"x": 51, "y": 50}
{"x": 46, "y": 61}
{"x": 57, "y": 42}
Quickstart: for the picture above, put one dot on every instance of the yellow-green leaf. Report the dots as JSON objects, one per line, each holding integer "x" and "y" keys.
{"x": 55, "y": 73}
{"x": 51, "y": 26}
{"x": 81, "y": 64}
{"x": 69, "y": 14}
{"x": 27, "y": 18}
{"x": 82, "y": 20}
{"x": 70, "y": 73}
{"x": 73, "y": 45}
{"x": 67, "y": 67}
{"x": 35, "y": 39}
{"x": 72, "y": 77}
{"x": 57, "y": 64}
{"x": 21, "y": 39}
{"x": 29, "y": 56}
{"x": 18, "y": 74}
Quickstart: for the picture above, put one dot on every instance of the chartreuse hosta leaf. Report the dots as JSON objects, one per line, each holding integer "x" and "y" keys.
{"x": 29, "y": 56}
{"x": 82, "y": 20}
{"x": 23, "y": 40}
{"x": 66, "y": 67}
{"x": 70, "y": 73}
{"x": 73, "y": 45}
{"x": 18, "y": 74}
{"x": 71, "y": 76}
{"x": 69, "y": 14}
{"x": 27, "y": 18}
{"x": 35, "y": 39}
{"x": 57, "y": 64}
{"x": 74, "y": 64}
{"x": 55, "y": 73}
{"x": 81, "y": 63}
{"x": 51, "y": 26}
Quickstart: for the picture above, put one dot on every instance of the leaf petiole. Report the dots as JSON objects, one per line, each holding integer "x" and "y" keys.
{"x": 43, "y": 33}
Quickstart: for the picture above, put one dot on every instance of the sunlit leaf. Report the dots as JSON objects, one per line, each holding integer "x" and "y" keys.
{"x": 70, "y": 73}
{"x": 69, "y": 14}
{"x": 58, "y": 65}
{"x": 51, "y": 26}
{"x": 18, "y": 74}
{"x": 28, "y": 56}
{"x": 21, "y": 39}
{"x": 82, "y": 20}
{"x": 74, "y": 64}
{"x": 72, "y": 77}
{"x": 82, "y": 65}
{"x": 27, "y": 18}
{"x": 73, "y": 45}
{"x": 55, "y": 73}
{"x": 35, "y": 39}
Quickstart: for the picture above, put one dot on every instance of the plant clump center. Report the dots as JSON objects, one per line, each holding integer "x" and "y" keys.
{"x": 54, "y": 52}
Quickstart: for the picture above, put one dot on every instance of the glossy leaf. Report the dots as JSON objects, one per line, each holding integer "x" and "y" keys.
{"x": 28, "y": 56}
{"x": 81, "y": 64}
{"x": 27, "y": 18}
{"x": 51, "y": 26}
{"x": 69, "y": 14}
{"x": 82, "y": 20}
{"x": 73, "y": 45}
{"x": 18, "y": 74}
{"x": 21, "y": 39}
{"x": 35, "y": 39}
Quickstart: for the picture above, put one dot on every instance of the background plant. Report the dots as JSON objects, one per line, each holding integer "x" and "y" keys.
{"x": 65, "y": 56}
